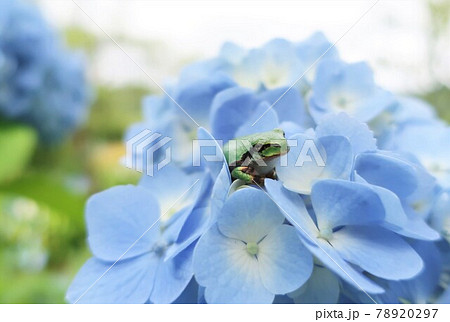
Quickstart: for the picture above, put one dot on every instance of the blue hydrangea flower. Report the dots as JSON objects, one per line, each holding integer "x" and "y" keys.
{"x": 415, "y": 139}
{"x": 273, "y": 65}
{"x": 424, "y": 286}
{"x": 152, "y": 227}
{"x": 359, "y": 135}
{"x": 411, "y": 184}
{"x": 405, "y": 112}
{"x": 421, "y": 289}
{"x": 234, "y": 112}
{"x": 350, "y": 88}
{"x": 41, "y": 83}
{"x": 347, "y": 229}
{"x": 123, "y": 228}
{"x": 250, "y": 255}
{"x": 278, "y": 63}
{"x": 331, "y": 158}
{"x": 361, "y": 194}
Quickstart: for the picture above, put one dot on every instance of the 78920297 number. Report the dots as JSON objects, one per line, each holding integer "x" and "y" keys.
{"x": 407, "y": 313}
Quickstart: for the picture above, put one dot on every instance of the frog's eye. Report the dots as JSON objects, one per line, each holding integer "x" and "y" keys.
{"x": 284, "y": 134}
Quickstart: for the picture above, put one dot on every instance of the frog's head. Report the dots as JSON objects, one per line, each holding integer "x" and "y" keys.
{"x": 275, "y": 144}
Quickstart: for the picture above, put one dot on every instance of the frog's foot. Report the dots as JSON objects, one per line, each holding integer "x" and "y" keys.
{"x": 243, "y": 173}
{"x": 247, "y": 174}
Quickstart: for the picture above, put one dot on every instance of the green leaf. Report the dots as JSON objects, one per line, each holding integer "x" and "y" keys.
{"x": 17, "y": 145}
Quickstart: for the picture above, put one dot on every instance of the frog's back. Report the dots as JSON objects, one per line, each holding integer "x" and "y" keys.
{"x": 239, "y": 146}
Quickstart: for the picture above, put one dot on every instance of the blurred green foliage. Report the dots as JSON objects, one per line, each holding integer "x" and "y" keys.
{"x": 78, "y": 38}
{"x": 440, "y": 99}
{"x": 43, "y": 190}
{"x": 17, "y": 143}
{"x": 122, "y": 106}
{"x": 439, "y": 10}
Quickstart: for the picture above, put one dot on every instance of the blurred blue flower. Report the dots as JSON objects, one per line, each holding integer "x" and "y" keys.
{"x": 350, "y": 88}
{"x": 278, "y": 63}
{"x": 440, "y": 215}
{"x": 250, "y": 255}
{"x": 41, "y": 83}
{"x": 405, "y": 112}
{"x": 415, "y": 139}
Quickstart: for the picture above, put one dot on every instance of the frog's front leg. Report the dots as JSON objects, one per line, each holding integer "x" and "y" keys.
{"x": 247, "y": 174}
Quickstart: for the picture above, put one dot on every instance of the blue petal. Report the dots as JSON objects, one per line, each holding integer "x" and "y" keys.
{"x": 378, "y": 251}
{"x": 201, "y": 295}
{"x": 117, "y": 218}
{"x": 445, "y": 297}
{"x": 289, "y": 106}
{"x": 314, "y": 47}
{"x": 204, "y": 68}
{"x": 416, "y": 138}
{"x": 338, "y": 203}
{"x": 292, "y": 206}
{"x": 226, "y": 106}
{"x": 249, "y": 215}
{"x": 158, "y": 112}
{"x": 220, "y": 192}
{"x": 129, "y": 281}
{"x": 273, "y": 65}
{"x": 413, "y": 109}
{"x": 304, "y": 167}
{"x": 232, "y": 52}
{"x": 387, "y": 172}
{"x": 440, "y": 219}
{"x": 350, "y": 88}
{"x": 334, "y": 261}
{"x": 423, "y": 287}
{"x": 291, "y": 128}
{"x": 227, "y": 270}
{"x": 172, "y": 277}
{"x": 190, "y": 294}
{"x": 417, "y": 228}
{"x": 339, "y": 156}
{"x": 397, "y": 220}
{"x": 173, "y": 188}
{"x": 360, "y": 136}
{"x": 193, "y": 227}
{"x": 285, "y": 264}
{"x": 322, "y": 288}
{"x": 196, "y": 96}
{"x": 266, "y": 120}
{"x": 294, "y": 209}
{"x": 282, "y": 299}
{"x": 208, "y": 153}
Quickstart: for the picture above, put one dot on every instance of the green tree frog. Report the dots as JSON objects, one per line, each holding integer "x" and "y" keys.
{"x": 252, "y": 158}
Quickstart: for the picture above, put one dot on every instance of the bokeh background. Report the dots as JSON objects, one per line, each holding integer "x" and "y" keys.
{"x": 42, "y": 234}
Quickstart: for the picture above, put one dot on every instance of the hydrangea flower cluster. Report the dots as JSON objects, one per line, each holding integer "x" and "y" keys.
{"x": 41, "y": 83}
{"x": 368, "y": 224}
